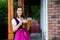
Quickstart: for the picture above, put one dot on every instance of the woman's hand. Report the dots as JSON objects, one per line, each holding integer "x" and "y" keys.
{"x": 20, "y": 21}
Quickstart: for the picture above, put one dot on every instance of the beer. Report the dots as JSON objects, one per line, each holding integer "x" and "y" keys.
{"x": 29, "y": 21}
{"x": 24, "y": 24}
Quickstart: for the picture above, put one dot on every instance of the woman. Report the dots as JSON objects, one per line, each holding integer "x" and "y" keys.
{"x": 20, "y": 32}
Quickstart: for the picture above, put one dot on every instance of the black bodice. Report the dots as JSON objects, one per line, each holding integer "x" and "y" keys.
{"x": 18, "y": 22}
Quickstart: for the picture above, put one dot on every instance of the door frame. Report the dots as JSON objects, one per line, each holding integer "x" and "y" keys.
{"x": 44, "y": 19}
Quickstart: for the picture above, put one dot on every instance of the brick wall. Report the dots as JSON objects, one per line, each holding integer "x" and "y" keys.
{"x": 53, "y": 20}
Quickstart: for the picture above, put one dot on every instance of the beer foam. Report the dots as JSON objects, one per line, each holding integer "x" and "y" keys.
{"x": 24, "y": 21}
{"x": 29, "y": 18}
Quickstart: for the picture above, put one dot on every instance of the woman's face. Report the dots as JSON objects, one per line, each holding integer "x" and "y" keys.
{"x": 19, "y": 11}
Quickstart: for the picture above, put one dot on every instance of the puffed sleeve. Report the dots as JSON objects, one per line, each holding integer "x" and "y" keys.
{"x": 13, "y": 22}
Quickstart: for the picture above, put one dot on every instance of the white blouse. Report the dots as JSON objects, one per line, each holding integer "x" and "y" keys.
{"x": 14, "y": 21}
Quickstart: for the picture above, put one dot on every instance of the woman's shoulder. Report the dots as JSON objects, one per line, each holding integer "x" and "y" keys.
{"x": 13, "y": 19}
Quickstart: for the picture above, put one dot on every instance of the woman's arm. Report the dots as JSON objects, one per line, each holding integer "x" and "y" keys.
{"x": 15, "y": 26}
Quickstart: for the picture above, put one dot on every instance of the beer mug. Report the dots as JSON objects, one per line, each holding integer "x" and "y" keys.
{"x": 29, "y": 23}
{"x": 24, "y": 23}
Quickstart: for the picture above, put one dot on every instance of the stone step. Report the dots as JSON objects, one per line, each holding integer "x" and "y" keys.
{"x": 36, "y": 36}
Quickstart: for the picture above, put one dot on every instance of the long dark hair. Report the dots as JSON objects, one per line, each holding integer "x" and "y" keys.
{"x": 15, "y": 15}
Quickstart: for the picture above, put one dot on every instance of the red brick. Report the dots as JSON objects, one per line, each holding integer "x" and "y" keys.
{"x": 53, "y": 26}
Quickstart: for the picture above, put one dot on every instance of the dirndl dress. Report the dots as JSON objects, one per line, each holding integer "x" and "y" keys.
{"x": 21, "y": 33}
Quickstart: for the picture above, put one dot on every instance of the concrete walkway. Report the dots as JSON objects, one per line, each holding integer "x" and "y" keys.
{"x": 36, "y": 36}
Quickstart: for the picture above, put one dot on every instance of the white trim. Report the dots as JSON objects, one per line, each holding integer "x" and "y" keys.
{"x": 44, "y": 19}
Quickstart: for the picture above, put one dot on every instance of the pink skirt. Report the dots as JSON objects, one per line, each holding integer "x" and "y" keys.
{"x": 22, "y": 34}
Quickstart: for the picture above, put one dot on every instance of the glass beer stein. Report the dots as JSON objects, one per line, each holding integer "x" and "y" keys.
{"x": 29, "y": 23}
{"x": 24, "y": 23}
